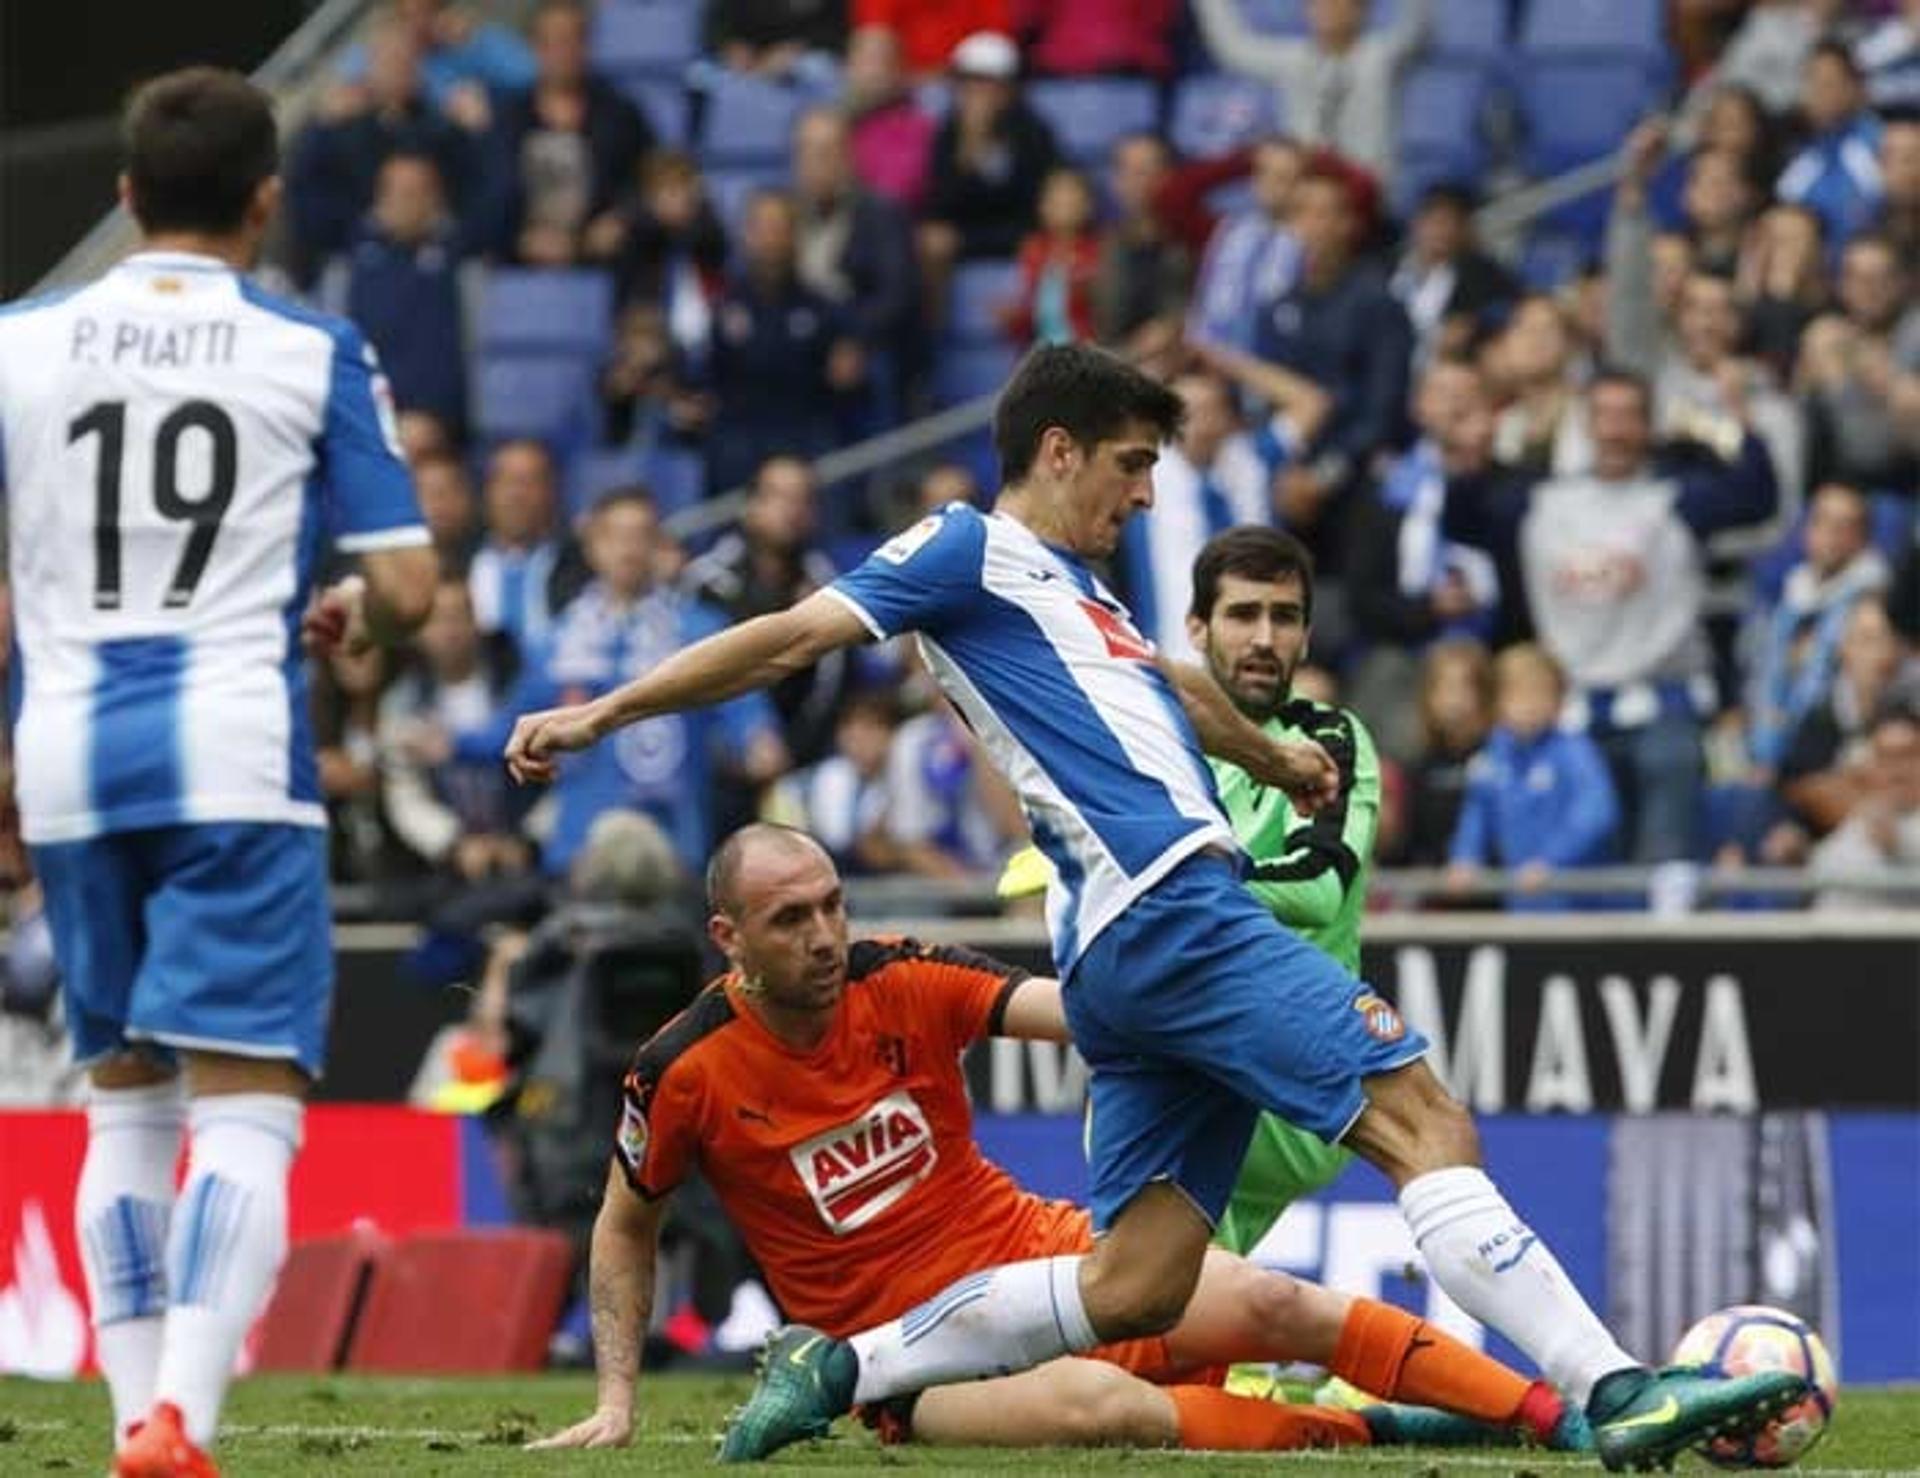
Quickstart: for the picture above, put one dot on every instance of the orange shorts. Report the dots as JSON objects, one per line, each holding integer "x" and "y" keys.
{"x": 1060, "y": 1229}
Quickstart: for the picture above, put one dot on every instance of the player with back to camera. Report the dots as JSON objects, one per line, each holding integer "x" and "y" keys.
{"x": 1193, "y": 1008}
{"x": 176, "y": 445}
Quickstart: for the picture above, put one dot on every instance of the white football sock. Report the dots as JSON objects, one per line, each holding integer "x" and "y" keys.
{"x": 120, "y": 1213}
{"x": 229, "y": 1239}
{"x": 1493, "y": 1265}
{"x": 996, "y": 1322}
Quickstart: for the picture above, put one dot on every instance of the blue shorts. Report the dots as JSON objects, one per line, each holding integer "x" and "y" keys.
{"x": 215, "y": 936}
{"x": 1195, "y": 1010}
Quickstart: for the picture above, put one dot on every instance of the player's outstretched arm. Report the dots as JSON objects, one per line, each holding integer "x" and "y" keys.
{"x": 754, "y": 654}
{"x": 1299, "y": 767}
{"x": 626, "y": 1236}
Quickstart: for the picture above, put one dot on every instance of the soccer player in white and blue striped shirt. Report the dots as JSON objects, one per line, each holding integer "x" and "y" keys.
{"x": 177, "y": 449}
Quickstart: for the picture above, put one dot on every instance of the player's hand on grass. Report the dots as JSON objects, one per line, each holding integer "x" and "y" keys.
{"x": 539, "y": 738}
{"x": 605, "y": 1428}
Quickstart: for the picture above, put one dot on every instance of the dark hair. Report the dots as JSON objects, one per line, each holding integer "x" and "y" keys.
{"x": 507, "y": 443}
{"x": 627, "y": 495}
{"x": 1879, "y": 241}
{"x": 1453, "y": 195}
{"x": 198, "y": 142}
{"x": 1614, "y": 374}
{"x": 1833, "y": 50}
{"x": 1086, "y": 392}
{"x": 1252, "y": 553}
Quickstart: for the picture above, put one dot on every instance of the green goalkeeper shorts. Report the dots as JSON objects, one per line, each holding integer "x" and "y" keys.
{"x": 1282, "y": 1165}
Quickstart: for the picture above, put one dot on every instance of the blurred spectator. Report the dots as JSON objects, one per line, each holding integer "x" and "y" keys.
{"x": 1899, "y": 218}
{"x": 336, "y": 159}
{"x": 1796, "y": 645}
{"x": 404, "y": 284}
{"x": 1769, "y": 51}
{"x": 1543, "y": 430}
{"x": 671, "y": 250}
{"x": 1455, "y": 714}
{"x": 945, "y": 809}
{"x": 1409, "y": 584}
{"x": 892, "y": 133}
{"x": 1703, "y": 392}
{"x": 562, "y": 149}
{"x": 524, "y": 571}
{"x": 1144, "y": 276}
{"x": 1719, "y": 203}
{"x": 1890, "y": 56}
{"x": 1860, "y": 371}
{"x": 1448, "y": 285}
{"x": 447, "y": 507}
{"x": 460, "y": 53}
{"x": 1882, "y": 830}
{"x": 929, "y": 33}
{"x": 781, "y": 353}
{"x": 1057, "y": 266}
{"x": 841, "y": 800}
{"x": 1734, "y": 121}
{"x": 459, "y": 816}
{"x": 646, "y": 397}
{"x": 1087, "y": 38}
{"x": 1821, "y": 773}
{"x": 944, "y": 483}
{"x": 1783, "y": 282}
{"x": 773, "y": 37}
{"x": 1837, "y": 173}
{"x": 1218, "y": 476}
{"x": 855, "y": 248}
{"x": 769, "y": 562}
{"x": 1339, "y": 326}
{"x": 1903, "y": 596}
{"x": 1538, "y": 798}
{"x": 623, "y": 624}
{"x": 1611, "y": 561}
{"x": 346, "y": 729}
{"x": 987, "y": 164}
{"x": 1339, "y": 86}
{"x": 1253, "y": 257}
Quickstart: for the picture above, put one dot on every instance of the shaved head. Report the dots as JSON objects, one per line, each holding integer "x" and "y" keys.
{"x": 729, "y": 871}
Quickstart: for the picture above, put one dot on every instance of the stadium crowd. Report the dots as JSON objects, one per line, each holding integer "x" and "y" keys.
{"x": 1617, "y": 538}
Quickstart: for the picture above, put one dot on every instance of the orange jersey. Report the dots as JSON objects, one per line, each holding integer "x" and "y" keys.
{"x": 851, "y": 1170}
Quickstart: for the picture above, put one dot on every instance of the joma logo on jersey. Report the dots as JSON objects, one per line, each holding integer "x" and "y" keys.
{"x": 1121, "y": 639}
{"x": 858, "y": 1170}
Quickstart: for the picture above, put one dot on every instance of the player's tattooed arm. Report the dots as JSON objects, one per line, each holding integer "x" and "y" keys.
{"x": 626, "y": 1237}
{"x": 1301, "y": 768}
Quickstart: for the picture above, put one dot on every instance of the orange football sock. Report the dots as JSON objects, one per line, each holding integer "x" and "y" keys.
{"x": 1388, "y": 1352}
{"x": 1212, "y": 1420}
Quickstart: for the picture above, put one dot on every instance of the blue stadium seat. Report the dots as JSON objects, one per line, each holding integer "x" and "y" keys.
{"x": 677, "y": 476}
{"x": 1605, "y": 27}
{"x": 980, "y": 290}
{"x": 547, "y": 310}
{"x": 1214, "y": 114}
{"x": 1440, "y": 114}
{"x": 1088, "y": 114}
{"x": 674, "y": 475}
{"x": 1469, "y": 30}
{"x": 645, "y": 35}
{"x": 749, "y": 119}
{"x": 550, "y": 396}
{"x": 663, "y": 100}
{"x": 962, "y": 372}
{"x": 1289, "y": 17}
{"x": 728, "y": 189}
{"x": 1578, "y": 111}
{"x": 1551, "y": 261}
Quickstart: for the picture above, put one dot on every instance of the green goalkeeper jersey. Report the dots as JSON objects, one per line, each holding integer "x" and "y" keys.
{"x": 1312, "y": 876}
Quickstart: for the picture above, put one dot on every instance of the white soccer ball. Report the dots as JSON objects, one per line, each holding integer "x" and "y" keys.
{"x": 1746, "y": 1340}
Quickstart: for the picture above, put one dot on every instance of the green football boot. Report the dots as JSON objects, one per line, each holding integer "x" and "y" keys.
{"x": 806, "y": 1380}
{"x": 1643, "y": 1419}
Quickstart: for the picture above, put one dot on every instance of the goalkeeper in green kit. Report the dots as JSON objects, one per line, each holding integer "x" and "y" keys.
{"x": 1251, "y": 614}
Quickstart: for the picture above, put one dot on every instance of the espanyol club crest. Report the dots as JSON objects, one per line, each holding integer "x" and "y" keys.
{"x": 1383, "y": 1022}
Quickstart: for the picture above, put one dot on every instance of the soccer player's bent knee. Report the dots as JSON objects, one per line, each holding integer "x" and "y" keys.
{"x": 1271, "y": 1304}
{"x": 1100, "y": 1405}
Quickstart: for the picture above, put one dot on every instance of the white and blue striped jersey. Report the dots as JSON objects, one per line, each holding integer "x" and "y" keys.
{"x": 176, "y": 447}
{"x": 1047, "y": 669}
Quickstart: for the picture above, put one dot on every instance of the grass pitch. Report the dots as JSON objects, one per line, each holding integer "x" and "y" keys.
{"x": 317, "y": 1428}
